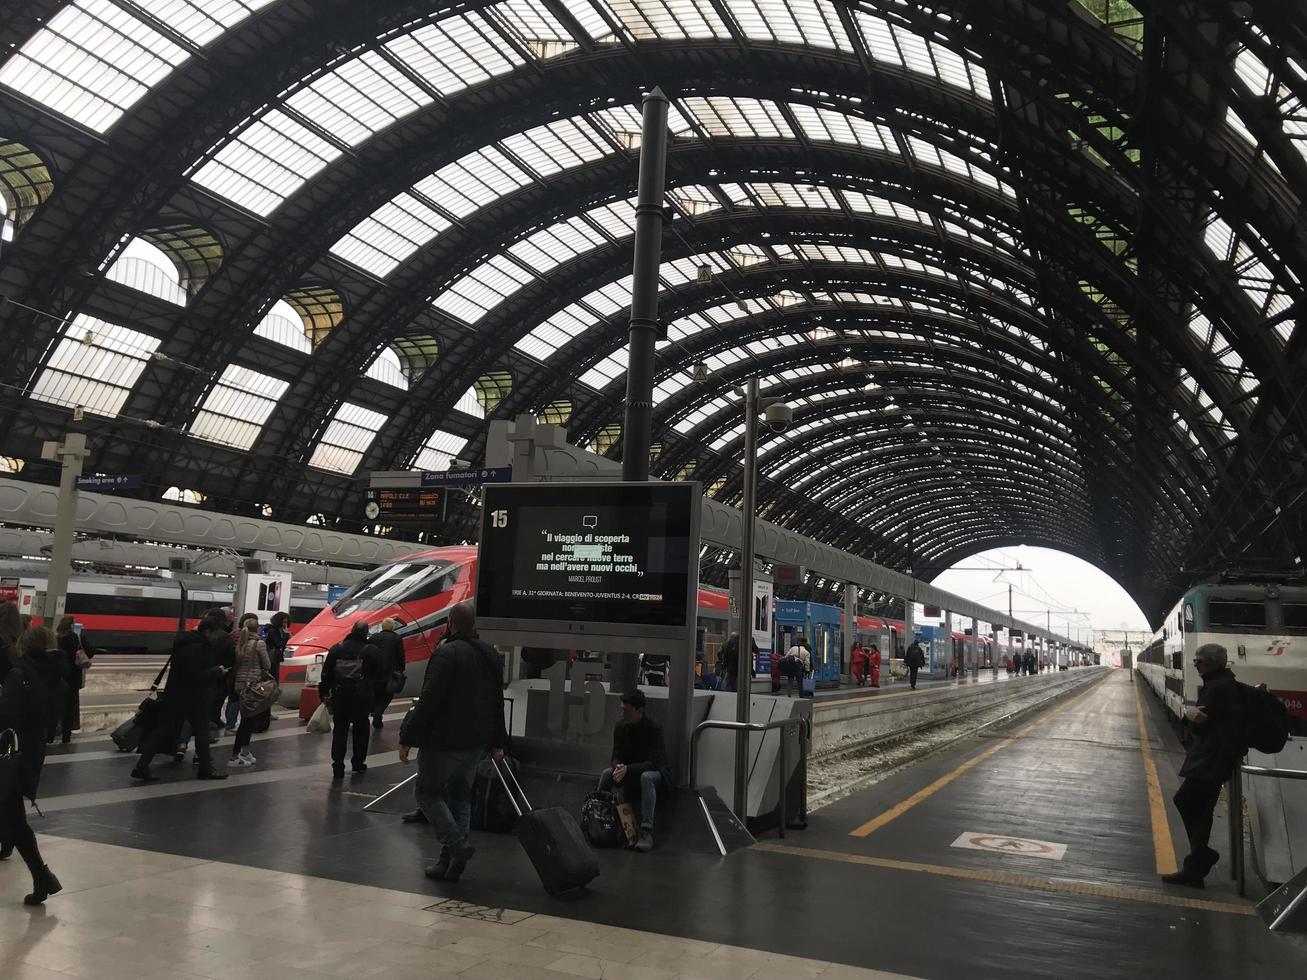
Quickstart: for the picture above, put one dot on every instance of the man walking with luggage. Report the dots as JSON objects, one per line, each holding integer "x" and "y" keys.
{"x": 1216, "y": 746}
{"x": 458, "y": 716}
{"x": 194, "y": 681}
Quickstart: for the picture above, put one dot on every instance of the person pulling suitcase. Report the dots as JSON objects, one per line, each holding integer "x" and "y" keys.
{"x": 458, "y": 717}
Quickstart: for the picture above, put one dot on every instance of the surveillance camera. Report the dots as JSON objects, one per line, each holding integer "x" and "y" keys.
{"x": 778, "y": 416}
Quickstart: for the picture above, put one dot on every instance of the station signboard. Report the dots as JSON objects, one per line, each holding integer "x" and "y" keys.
{"x": 590, "y": 560}
{"x": 108, "y": 483}
{"x": 467, "y": 478}
{"x": 395, "y": 505}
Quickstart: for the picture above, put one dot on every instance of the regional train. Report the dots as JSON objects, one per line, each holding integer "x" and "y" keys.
{"x": 1263, "y": 628}
{"x": 134, "y": 614}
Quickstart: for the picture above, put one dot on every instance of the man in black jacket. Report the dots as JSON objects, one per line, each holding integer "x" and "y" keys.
{"x": 915, "y": 659}
{"x": 459, "y": 714}
{"x": 351, "y": 675}
{"x": 194, "y": 680}
{"x": 390, "y": 645}
{"x": 639, "y": 764}
{"x": 1216, "y": 746}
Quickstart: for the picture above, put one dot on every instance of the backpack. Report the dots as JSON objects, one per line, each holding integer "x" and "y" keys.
{"x": 1266, "y": 719}
{"x": 349, "y": 670}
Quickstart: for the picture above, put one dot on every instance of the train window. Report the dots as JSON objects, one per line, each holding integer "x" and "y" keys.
{"x": 1232, "y": 612}
{"x": 389, "y": 584}
{"x": 1189, "y": 613}
{"x": 1295, "y": 616}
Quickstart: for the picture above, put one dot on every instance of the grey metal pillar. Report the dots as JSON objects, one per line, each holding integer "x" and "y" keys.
{"x": 637, "y": 425}
{"x": 70, "y": 453}
{"x": 850, "y": 623}
{"x": 971, "y": 653}
{"x": 948, "y": 633}
{"x": 680, "y": 695}
{"x": 744, "y": 669}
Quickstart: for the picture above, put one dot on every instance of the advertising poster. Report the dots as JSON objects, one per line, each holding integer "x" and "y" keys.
{"x": 762, "y": 615}
{"x": 264, "y": 595}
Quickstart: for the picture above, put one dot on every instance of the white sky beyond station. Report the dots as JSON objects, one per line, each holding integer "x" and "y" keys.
{"x": 1050, "y": 581}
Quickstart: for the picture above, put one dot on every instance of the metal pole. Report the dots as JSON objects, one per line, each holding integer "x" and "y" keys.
{"x": 637, "y": 428}
{"x": 71, "y": 453}
{"x": 743, "y": 673}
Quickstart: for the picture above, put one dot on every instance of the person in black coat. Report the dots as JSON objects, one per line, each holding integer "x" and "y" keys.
{"x": 640, "y": 768}
{"x": 1216, "y": 746}
{"x": 390, "y": 646}
{"x": 195, "y": 679}
{"x": 30, "y": 697}
{"x": 351, "y": 675}
{"x": 915, "y": 659}
{"x": 71, "y": 643}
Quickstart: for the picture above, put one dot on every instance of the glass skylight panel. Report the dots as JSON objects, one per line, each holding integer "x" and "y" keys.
{"x": 390, "y": 235}
{"x": 795, "y": 196}
{"x": 283, "y": 330}
{"x": 95, "y": 365}
{"x": 360, "y": 97}
{"x": 455, "y": 52}
{"x": 828, "y": 126}
{"x": 812, "y": 22}
{"x": 473, "y": 181}
{"x": 347, "y": 437}
{"x": 482, "y": 289}
{"x": 556, "y": 332}
{"x": 616, "y": 219}
{"x": 91, "y": 62}
{"x": 535, "y": 25}
{"x": 551, "y": 247}
{"x": 386, "y": 368}
{"x": 266, "y": 163}
{"x": 438, "y": 452}
{"x": 695, "y": 199}
{"x": 720, "y": 116}
{"x": 558, "y": 146}
{"x": 237, "y": 408}
{"x": 647, "y": 20}
{"x": 607, "y": 369}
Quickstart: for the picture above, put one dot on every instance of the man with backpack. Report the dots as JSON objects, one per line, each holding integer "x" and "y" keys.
{"x": 351, "y": 675}
{"x": 1216, "y": 745}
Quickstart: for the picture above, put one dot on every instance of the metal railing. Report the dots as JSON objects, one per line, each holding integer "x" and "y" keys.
{"x": 1237, "y": 867}
{"x": 798, "y": 723}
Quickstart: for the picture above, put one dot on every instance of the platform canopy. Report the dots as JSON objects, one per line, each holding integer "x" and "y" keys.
{"x": 1028, "y": 270}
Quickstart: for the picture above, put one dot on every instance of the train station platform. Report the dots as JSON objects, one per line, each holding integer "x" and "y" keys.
{"x": 1031, "y": 850}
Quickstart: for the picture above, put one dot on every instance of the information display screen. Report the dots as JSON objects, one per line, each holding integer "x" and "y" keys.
{"x": 588, "y": 553}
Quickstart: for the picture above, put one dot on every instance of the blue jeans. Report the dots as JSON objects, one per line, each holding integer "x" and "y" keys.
{"x": 650, "y": 780}
{"x": 444, "y": 791}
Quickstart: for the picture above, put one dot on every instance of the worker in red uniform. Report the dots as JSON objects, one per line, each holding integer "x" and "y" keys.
{"x": 873, "y": 660}
{"x": 859, "y": 663}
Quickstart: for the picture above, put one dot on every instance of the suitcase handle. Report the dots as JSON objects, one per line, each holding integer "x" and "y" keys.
{"x": 500, "y": 769}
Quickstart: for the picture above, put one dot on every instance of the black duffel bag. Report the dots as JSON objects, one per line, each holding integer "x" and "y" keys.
{"x": 599, "y": 820}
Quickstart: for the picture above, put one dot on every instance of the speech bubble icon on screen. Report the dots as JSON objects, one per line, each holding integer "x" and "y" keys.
{"x": 590, "y": 520}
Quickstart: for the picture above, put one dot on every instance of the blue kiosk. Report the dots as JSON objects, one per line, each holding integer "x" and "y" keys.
{"x": 818, "y": 622}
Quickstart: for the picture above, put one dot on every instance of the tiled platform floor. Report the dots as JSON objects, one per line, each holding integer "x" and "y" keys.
{"x": 129, "y": 914}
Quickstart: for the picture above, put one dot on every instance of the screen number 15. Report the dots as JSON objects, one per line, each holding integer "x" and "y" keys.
{"x": 499, "y": 518}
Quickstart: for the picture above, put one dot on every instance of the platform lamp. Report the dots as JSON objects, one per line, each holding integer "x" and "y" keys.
{"x": 778, "y": 416}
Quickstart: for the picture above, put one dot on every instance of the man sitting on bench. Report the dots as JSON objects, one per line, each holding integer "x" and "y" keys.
{"x": 639, "y": 764}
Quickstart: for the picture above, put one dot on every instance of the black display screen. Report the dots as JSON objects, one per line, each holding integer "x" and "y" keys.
{"x": 591, "y": 553}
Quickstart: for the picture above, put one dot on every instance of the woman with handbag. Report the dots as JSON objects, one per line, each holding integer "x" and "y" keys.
{"x": 77, "y": 658}
{"x": 252, "y": 668}
{"x": 29, "y": 700}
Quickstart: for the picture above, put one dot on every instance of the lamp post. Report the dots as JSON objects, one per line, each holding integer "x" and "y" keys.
{"x": 778, "y": 418}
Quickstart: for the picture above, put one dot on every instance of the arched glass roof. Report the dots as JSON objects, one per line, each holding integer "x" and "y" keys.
{"x": 970, "y": 246}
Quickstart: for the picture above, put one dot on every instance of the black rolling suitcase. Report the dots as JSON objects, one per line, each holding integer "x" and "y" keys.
{"x": 552, "y": 840}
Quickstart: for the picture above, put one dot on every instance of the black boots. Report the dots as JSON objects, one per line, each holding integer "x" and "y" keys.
{"x": 453, "y": 860}
{"x": 44, "y": 884}
{"x": 438, "y": 870}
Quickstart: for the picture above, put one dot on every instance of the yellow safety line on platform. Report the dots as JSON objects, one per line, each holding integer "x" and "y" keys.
{"x": 1061, "y": 885}
{"x": 1163, "y": 849}
{"x": 871, "y": 826}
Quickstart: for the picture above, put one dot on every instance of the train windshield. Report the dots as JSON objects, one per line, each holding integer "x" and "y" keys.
{"x": 1235, "y": 614}
{"x": 397, "y": 583}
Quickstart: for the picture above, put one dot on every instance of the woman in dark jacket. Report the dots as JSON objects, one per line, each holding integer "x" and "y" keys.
{"x": 71, "y": 643}
{"x": 29, "y": 701}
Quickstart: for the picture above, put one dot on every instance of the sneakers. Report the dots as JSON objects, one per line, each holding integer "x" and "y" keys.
{"x": 231, "y": 731}
{"x": 644, "y": 843}
{"x": 242, "y": 761}
{"x": 361, "y": 768}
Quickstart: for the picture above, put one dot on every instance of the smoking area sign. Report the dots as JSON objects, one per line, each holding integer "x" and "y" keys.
{"x": 1002, "y": 844}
